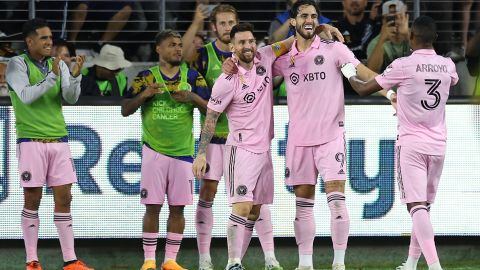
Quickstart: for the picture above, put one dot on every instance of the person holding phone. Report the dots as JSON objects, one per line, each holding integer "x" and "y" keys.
{"x": 392, "y": 42}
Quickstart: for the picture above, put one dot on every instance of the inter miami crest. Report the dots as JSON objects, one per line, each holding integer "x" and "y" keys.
{"x": 319, "y": 60}
{"x": 26, "y": 176}
{"x": 261, "y": 70}
{"x": 242, "y": 190}
{"x": 144, "y": 193}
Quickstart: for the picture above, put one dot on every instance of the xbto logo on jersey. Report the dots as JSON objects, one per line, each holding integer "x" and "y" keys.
{"x": 314, "y": 76}
{"x": 249, "y": 97}
{"x": 294, "y": 78}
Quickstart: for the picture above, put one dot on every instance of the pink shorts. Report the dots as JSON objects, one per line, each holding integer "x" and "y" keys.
{"x": 215, "y": 154}
{"x": 248, "y": 176}
{"x": 304, "y": 163}
{"x": 163, "y": 175}
{"x": 45, "y": 163}
{"x": 418, "y": 175}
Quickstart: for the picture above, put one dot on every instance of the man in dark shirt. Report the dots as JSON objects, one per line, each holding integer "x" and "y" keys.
{"x": 358, "y": 29}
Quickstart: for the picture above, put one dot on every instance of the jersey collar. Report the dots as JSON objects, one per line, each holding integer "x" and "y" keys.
{"x": 424, "y": 51}
{"x": 315, "y": 44}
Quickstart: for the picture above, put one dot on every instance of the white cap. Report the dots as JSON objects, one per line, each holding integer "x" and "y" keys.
{"x": 112, "y": 58}
{"x": 399, "y": 7}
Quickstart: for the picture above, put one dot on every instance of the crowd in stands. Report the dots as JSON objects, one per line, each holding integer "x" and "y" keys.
{"x": 376, "y": 31}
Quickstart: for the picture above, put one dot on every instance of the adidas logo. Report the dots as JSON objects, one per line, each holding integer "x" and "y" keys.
{"x": 244, "y": 87}
{"x": 341, "y": 171}
{"x": 32, "y": 226}
{"x": 339, "y": 217}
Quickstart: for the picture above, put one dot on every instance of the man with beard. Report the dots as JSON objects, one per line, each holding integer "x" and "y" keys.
{"x": 316, "y": 134}
{"x": 248, "y": 160}
{"x": 208, "y": 61}
{"x": 167, "y": 95}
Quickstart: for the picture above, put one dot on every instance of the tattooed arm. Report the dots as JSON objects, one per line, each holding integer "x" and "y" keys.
{"x": 200, "y": 162}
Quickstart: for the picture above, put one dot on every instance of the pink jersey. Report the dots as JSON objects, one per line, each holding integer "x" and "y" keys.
{"x": 423, "y": 79}
{"x": 315, "y": 91}
{"x": 247, "y": 98}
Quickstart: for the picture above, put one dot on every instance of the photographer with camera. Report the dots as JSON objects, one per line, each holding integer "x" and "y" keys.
{"x": 392, "y": 42}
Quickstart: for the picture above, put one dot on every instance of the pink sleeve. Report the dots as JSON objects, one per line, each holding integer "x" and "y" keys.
{"x": 222, "y": 93}
{"x": 453, "y": 73}
{"x": 391, "y": 76}
{"x": 344, "y": 55}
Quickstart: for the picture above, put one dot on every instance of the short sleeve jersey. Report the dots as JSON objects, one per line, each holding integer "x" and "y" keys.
{"x": 315, "y": 91}
{"x": 247, "y": 98}
{"x": 423, "y": 79}
{"x": 167, "y": 124}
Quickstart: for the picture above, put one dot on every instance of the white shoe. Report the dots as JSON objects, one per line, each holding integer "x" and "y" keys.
{"x": 304, "y": 268}
{"x": 234, "y": 266}
{"x": 338, "y": 266}
{"x": 205, "y": 265}
{"x": 273, "y": 265}
{"x": 404, "y": 266}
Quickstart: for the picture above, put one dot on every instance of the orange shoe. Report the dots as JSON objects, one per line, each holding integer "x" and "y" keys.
{"x": 34, "y": 265}
{"x": 172, "y": 265}
{"x": 78, "y": 265}
{"x": 149, "y": 265}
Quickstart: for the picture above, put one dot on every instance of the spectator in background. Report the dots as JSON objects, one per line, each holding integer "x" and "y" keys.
{"x": 3, "y": 80}
{"x": 392, "y": 42}
{"x": 357, "y": 28}
{"x": 106, "y": 76}
{"x": 6, "y": 49}
{"x": 64, "y": 50}
{"x": 280, "y": 27}
{"x": 117, "y": 11}
{"x": 473, "y": 61}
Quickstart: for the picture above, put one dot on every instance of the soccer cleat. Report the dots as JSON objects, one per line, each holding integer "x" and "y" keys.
{"x": 338, "y": 266}
{"x": 172, "y": 265}
{"x": 149, "y": 265}
{"x": 77, "y": 265}
{"x": 273, "y": 265}
{"x": 235, "y": 266}
{"x": 34, "y": 265}
{"x": 404, "y": 266}
{"x": 205, "y": 265}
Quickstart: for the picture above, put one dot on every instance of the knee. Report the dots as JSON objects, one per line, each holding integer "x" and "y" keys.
{"x": 32, "y": 200}
{"x": 208, "y": 190}
{"x": 176, "y": 212}
{"x": 63, "y": 200}
{"x": 153, "y": 209}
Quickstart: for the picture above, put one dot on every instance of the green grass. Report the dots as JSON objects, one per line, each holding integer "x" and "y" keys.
{"x": 129, "y": 256}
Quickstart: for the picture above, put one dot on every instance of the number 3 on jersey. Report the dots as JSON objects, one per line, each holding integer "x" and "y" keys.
{"x": 432, "y": 91}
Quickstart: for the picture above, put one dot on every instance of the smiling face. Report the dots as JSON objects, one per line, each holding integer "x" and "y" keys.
{"x": 306, "y": 21}
{"x": 244, "y": 46}
{"x": 40, "y": 44}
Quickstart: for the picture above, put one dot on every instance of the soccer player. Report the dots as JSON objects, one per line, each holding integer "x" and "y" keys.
{"x": 37, "y": 84}
{"x": 167, "y": 95}
{"x": 423, "y": 80}
{"x": 208, "y": 61}
{"x": 316, "y": 134}
{"x": 247, "y": 160}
